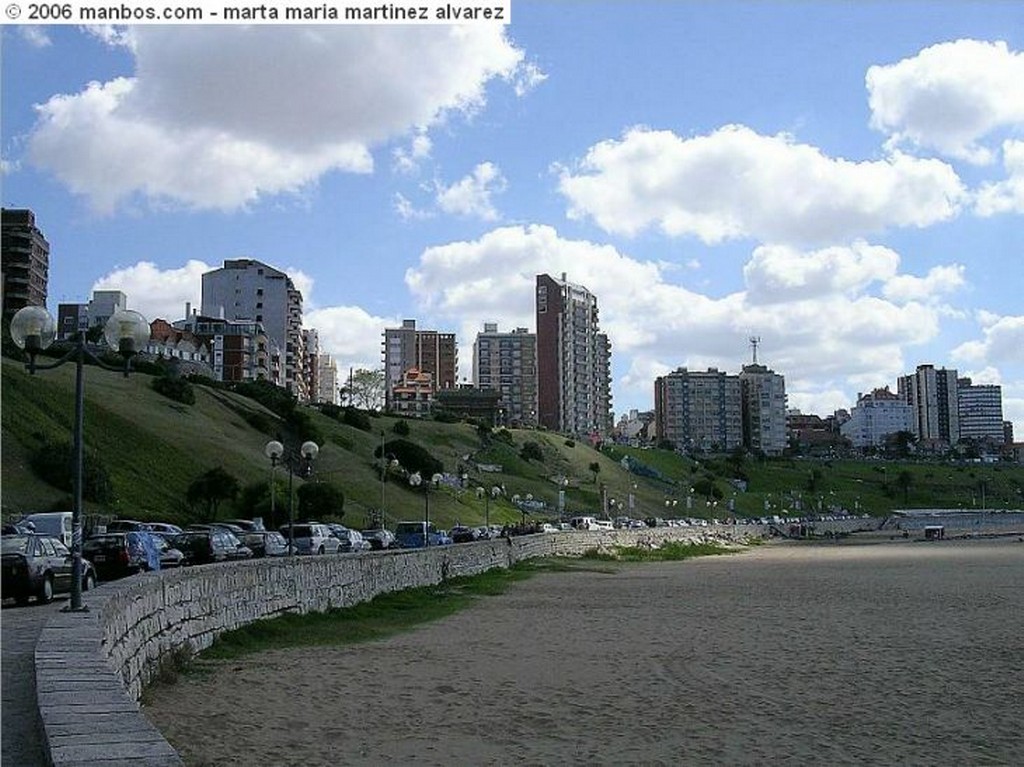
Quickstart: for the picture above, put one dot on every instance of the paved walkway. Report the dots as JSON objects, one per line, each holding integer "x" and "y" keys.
{"x": 21, "y": 742}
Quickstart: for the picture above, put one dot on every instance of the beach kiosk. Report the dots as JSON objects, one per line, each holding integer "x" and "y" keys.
{"x": 934, "y": 532}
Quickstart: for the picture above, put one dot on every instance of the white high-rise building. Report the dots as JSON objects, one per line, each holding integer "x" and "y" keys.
{"x": 875, "y": 416}
{"x": 248, "y": 290}
{"x": 932, "y": 395}
{"x": 980, "y": 411}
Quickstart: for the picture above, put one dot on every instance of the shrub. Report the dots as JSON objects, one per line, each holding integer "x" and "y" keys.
{"x": 177, "y": 389}
{"x": 401, "y": 428}
{"x": 531, "y": 451}
{"x": 357, "y": 419}
{"x": 320, "y": 500}
{"x": 52, "y": 463}
{"x": 411, "y": 457}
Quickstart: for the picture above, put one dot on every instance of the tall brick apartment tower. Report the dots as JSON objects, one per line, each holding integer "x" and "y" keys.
{"x": 573, "y": 360}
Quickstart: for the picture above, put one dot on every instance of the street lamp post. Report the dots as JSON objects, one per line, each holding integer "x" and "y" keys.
{"x": 415, "y": 480}
{"x": 33, "y": 329}
{"x": 277, "y": 453}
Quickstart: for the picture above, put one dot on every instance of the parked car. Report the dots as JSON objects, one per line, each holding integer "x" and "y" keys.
{"x": 248, "y": 525}
{"x": 379, "y": 538}
{"x": 117, "y": 555}
{"x": 463, "y": 534}
{"x": 214, "y": 544}
{"x": 352, "y": 541}
{"x": 169, "y": 555}
{"x": 265, "y": 543}
{"x": 125, "y": 526}
{"x": 39, "y": 566}
{"x": 163, "y": 528}
{"x": 56, "y": 524}
{"x": 312, "y": 538}
{"x": 410, "y": 535}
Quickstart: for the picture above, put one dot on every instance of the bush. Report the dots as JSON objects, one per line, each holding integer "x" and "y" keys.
{"x": 52, "y": 463}
{"x": 531, "y": 451}
{"x": 357, "y": 419}
{"x": 177, "y": 389}
{"x": 570, "y": 443}
{"x": 320, "y": 500}
{"x": 299, "y": 424}
{"x": 401, "y": 428}
{"x": 411, "y": 457}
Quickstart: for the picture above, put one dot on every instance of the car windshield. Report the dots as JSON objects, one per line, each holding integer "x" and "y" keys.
{"x": 15, "y": 544}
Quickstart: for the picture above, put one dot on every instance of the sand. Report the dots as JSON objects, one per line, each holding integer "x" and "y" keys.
{"x": 845, "y": 653}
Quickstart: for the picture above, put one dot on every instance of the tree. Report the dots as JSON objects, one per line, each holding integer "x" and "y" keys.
{"x": 365, "y": 389}
{"x": 531, "y": 451}
{"x": 595, "y": 469}
{"x": 904, "y": 480}
{"x": 53, "y": 463}
{"x": 411, "y": 457}
{"x": 899, "y": 444}
{"x": 320, "y": 500}
{"x": 210, "y": 489}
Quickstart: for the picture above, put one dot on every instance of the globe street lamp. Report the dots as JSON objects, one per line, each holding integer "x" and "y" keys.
{"x": 416, "y": 480}
{"x": 33, "y": 329}
{"x": 277, "y": 453}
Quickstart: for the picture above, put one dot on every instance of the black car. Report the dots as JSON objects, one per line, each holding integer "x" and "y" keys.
{"x": 216, "y": 544}
{"x": 118, "y": 555}
{"x": 39, "y": 566}
{"x": 265, "y": 543}
{"x": 461, "y": 534}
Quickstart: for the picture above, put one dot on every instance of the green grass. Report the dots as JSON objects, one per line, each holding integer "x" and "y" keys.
{"x": 154, "y": 447}
{"x": 381, "y": 617}
{"x": 671, "y": 551}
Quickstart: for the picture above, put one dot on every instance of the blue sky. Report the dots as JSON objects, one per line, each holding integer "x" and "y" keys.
{"x": 843, "y": 180}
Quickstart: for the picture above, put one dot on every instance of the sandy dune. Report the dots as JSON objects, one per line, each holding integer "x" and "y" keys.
{"x": 891, "y": 652}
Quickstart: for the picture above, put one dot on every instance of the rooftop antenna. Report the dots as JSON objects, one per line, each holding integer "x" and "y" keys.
{"x": 754, "y": 341}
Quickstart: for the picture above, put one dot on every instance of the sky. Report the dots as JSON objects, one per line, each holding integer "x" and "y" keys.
{"x": 842, "y": 180}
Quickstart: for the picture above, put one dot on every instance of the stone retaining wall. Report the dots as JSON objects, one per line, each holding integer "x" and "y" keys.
{"x": 91, "y": 667}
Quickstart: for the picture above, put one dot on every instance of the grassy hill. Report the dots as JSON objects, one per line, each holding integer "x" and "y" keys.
{"x": 153, "y": 448}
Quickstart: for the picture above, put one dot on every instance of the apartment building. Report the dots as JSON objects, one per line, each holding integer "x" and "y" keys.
{"x": 764, "y": 409}
{"x": 507, "y": 363}
{"x": 980, "y": 411}
{"x": 427, "y": 351}
{"x": 876, "y": 415}
{"x": 26, "y": 261}
{"x": 327, "y": 379}
{"x": 699, "y": 410}
{"x": 248, "y": 291}
{"x": 573, "y": 360}
{"x": 932, "y": 395}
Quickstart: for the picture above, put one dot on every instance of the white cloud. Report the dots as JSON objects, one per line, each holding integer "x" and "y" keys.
{"x": 407, "y": 211}
{"x": 9, "y": 166}
{"x": 736, "y": 183}
{"x": 471, "y": 195}
{"x": 205, "y": 123}
{"x": 35, "y": 36}
{"x": 1005, "y": 196}
{"x": 778, "y": 273}
{"x": 526, "y": 78}
{"x": 351, "y": 335}
{"x": 949, "y": 96}
{"x": 1002, "y": 343}
{"x": 158, "y": 293}
{"x": 408, "y": 160}
{"x": 939, "y": 280}
{"x": 831, "y": 336}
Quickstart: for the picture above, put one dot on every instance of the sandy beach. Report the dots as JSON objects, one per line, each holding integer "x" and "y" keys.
{"x": 843, "y": 653}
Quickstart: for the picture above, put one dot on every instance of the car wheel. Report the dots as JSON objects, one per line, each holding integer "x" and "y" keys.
{"x": 46, "y": 590}
{"x": 320, "y": 550}
{"x": 21, "y": 599}
{"x": 88, "y": 582}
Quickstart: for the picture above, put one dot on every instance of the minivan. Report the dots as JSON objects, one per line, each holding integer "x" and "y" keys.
{"x": 56, "y": 524}
{"x": 409, "y": 535}
{"x": 312, "y": 538}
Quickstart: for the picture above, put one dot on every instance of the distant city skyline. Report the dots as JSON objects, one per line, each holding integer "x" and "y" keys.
{"x": 843, "y": 180}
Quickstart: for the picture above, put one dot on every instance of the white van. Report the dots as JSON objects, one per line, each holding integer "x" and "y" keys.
{"x": 583, "y": 523}
{"x": 56, "y": 524}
